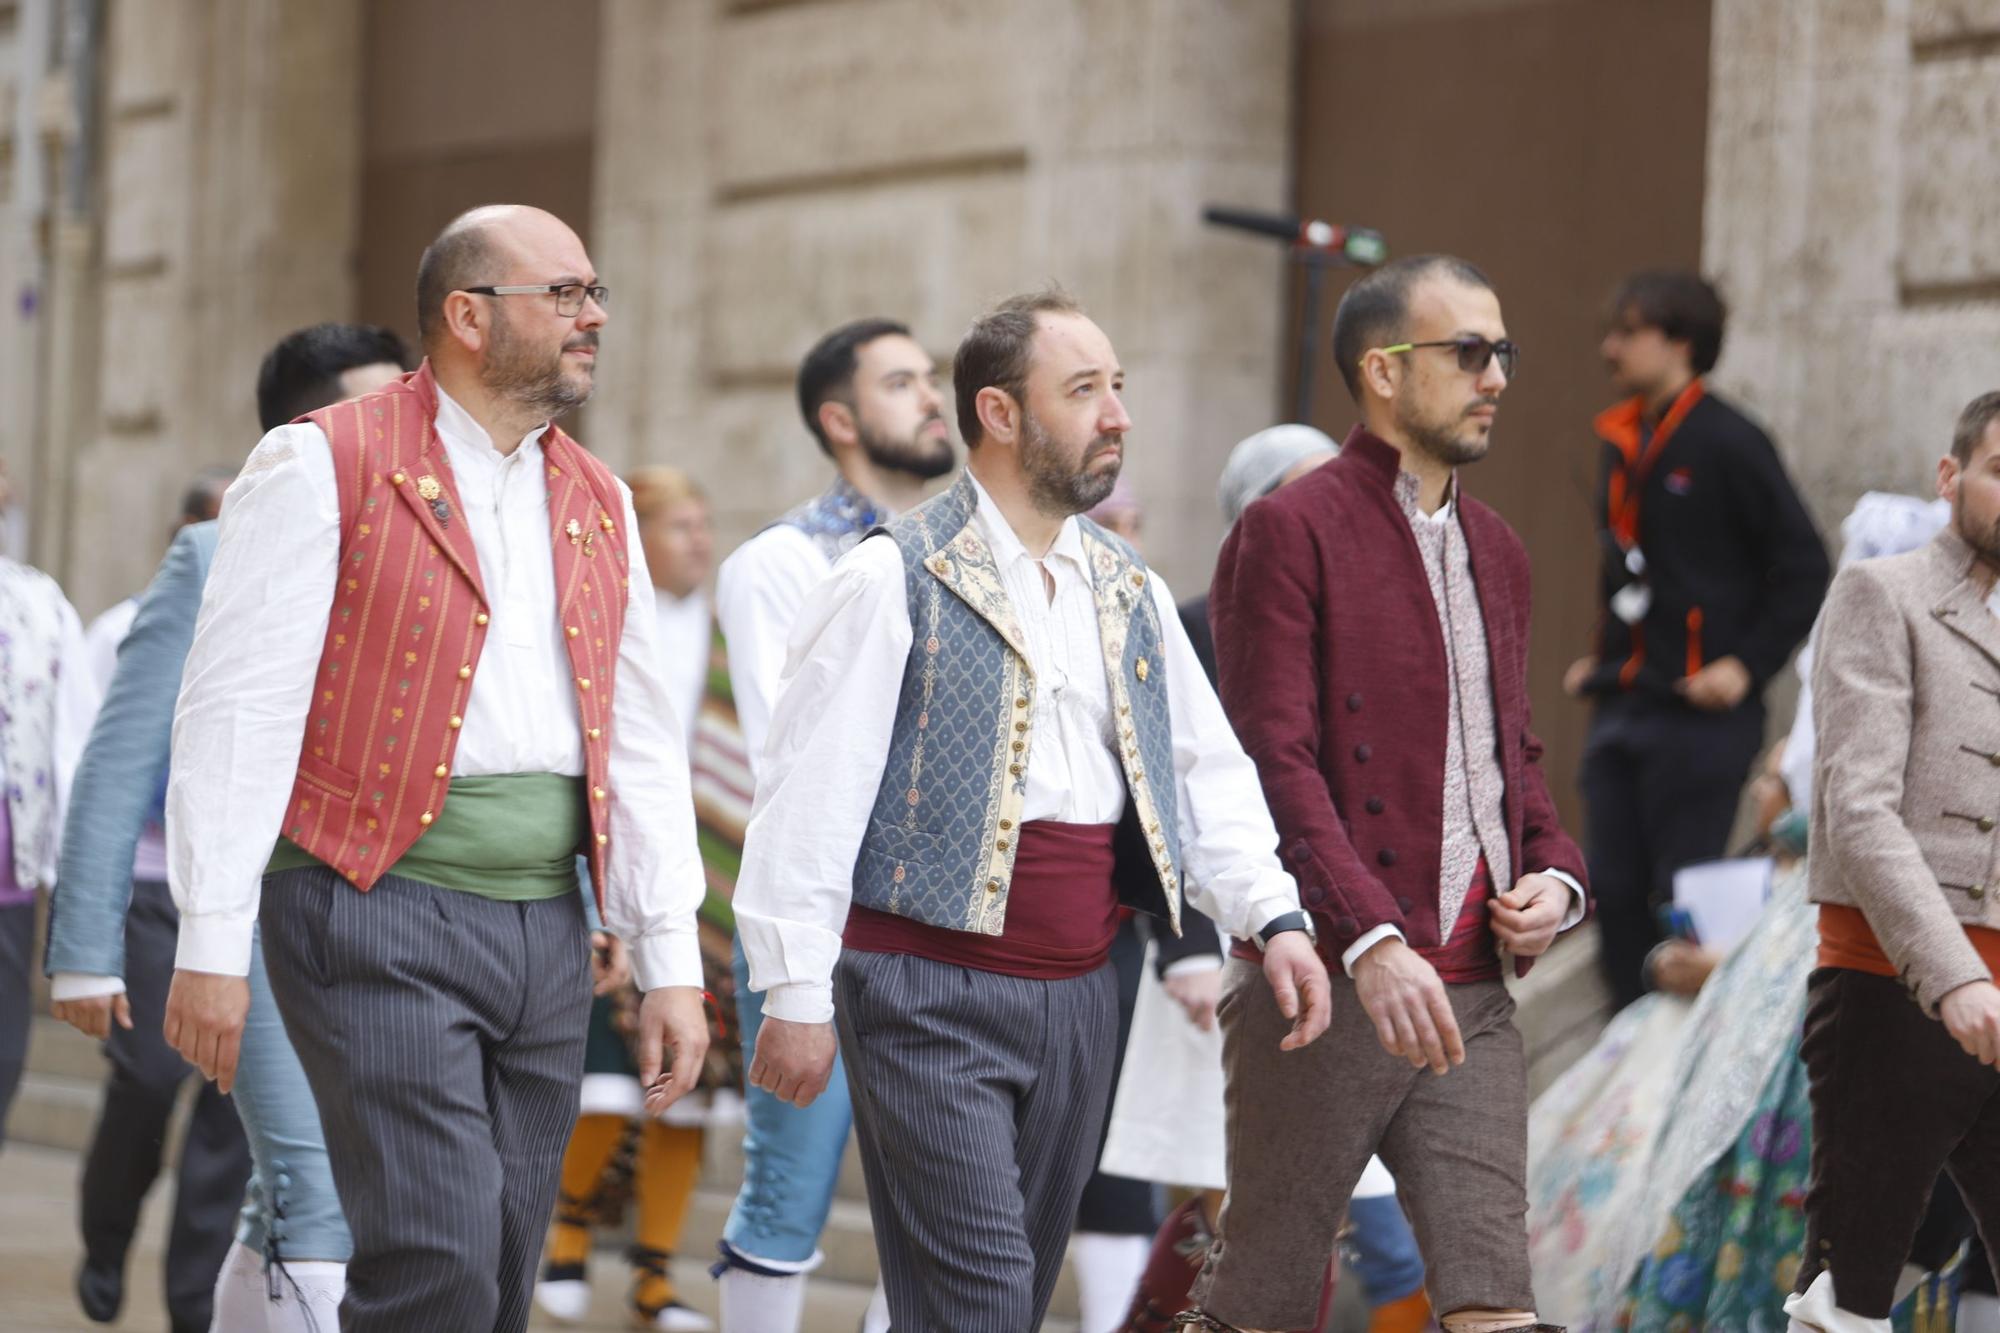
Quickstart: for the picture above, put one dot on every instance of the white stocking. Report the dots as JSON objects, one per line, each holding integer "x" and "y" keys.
{"x": 754, "y": 1303}
{"x": 1978, "y": 1313}
{"x": 1486, "y": 1321}
{"x": 876, "y": 1319}
{"x": 1107, "y": 1275}
{"x": 308, "y": 1298}
{"x": 1818, "y": 1312}
{"x": 239, "y": 1293}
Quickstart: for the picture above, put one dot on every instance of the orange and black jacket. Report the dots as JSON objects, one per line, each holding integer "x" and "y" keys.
{"x": 1735, "y": 565}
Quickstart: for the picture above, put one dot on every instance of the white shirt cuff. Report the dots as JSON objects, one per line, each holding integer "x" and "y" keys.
{"x": 1353, "y": 952}
{"x": 1263, "y": 911}
{"x": 1187, "y": 967}
{"x": 670, "y": 958}
{"x": 1579, "y": 902}
{"x": 800, "y": 1002}
{"x": 82, "y": 986}
{"x": 218, "y": 944}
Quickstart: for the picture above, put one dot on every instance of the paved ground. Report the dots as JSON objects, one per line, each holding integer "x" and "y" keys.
{"x": 38, "y": 1254}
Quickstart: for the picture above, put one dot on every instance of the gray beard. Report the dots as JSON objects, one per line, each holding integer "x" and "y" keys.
{"x": 1053, "y": 487}
{"x": 542, "y": 389}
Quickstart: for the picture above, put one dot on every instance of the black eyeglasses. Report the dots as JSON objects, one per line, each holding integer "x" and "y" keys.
{"x": 1474, "y": 352}
{"x": 569, "y": 295}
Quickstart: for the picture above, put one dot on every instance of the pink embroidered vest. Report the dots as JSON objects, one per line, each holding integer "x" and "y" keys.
{"x": 409, "y": 620}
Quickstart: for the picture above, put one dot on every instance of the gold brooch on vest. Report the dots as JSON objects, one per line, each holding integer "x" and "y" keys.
{"x": 575, "y": 532}
{"x": 432, "y": 494}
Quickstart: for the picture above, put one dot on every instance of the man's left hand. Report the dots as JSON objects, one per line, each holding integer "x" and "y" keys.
{"x": 793, "y": 1061}
{"x": 1526, "y": 918}
{"x": 1197, "y": 993}
{"x": 1717, "y": 687}
{"x": 1297, "y": 978}
{"x": 671, "y": 1023}
{"x": 610, "y": 965}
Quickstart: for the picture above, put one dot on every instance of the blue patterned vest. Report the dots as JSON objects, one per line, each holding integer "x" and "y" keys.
{"x": 835, "y": 520}
{"x": 940, "y": 843}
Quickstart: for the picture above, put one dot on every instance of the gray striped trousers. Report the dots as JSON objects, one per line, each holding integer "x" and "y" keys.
{"x": 442, "y": 1034}
{"x": 978, "y": 1100}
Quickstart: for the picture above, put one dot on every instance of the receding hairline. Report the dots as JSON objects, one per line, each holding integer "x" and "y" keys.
{"x": 1044, "y": 323}
{"x": 467, "y": 247}
{"x": 489, "y": 219}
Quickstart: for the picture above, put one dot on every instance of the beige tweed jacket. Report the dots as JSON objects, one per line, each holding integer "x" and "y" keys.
{"x": 1906, "y": 786}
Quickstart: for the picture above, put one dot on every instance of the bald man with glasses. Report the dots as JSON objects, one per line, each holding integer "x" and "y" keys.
{"x": 422, "y": 683}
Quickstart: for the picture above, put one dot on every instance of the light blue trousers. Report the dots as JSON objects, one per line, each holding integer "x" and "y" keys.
{"x": 292, "y": 1211}
{"x": 791, "y": 1157}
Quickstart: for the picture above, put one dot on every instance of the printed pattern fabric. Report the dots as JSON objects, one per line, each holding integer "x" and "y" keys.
{"x": 1676, "y": 1206}
{"x": 836, "y": 519}
{"x": 1475, "y": 788}
{"x": 1731, "y": 1250}
{"x": 1590, "y": 1138}
{"x": 941, "y": 840}
{"x": 30, "y": 646}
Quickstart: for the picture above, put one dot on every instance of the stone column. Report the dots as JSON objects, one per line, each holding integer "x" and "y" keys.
{"x": 768, "y": 170}
{"x": 1853, "y": 220}
{"x": 227, "y": 212}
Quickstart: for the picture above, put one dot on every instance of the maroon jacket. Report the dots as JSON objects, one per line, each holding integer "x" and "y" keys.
{"x": 1333, "y": 673}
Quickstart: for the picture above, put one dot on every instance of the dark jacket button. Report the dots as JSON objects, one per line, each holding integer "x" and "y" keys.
{"x": 1405, "y": 905}
{"x": 1375, "y": 805}
{"x": 1316, "y": 895}
{"x": 1347, "y": 926}
{"x": 1299, "y": 852}
{"x": 1362, "y": 753}
{"x": 1387, "y": 856}
{"x": 1353, "y": 703}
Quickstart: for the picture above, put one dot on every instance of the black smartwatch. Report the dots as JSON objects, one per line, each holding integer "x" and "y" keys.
{"x": 1278, "y": 925}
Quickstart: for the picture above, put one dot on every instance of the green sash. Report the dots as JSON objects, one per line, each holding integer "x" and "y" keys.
{"x": 513, "y": 838}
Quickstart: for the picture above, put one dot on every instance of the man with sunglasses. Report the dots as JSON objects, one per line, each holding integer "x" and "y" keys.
{"x": 422, "y": 681}
{"x": 1382, "y": 690}
{"x": 1712, "y": 574}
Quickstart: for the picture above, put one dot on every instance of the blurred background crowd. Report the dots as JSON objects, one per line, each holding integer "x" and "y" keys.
{"x": 182, "y": 182}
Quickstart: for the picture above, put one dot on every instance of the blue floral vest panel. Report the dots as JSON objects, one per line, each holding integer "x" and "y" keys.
{"x": 940, "y": 843}
{"x": 835, "y": 520}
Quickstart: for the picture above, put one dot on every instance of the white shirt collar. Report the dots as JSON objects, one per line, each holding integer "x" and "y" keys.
{"x": 690, "y": 605}
{"x": 468, "y": 439}
{"x": 1408, "y": 488}
{"x": 1006, "y": 543}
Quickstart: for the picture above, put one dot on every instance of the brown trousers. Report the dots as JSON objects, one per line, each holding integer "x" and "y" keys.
{"x": 1894, "y": 1100}
{"x": 1302, "y": 1125}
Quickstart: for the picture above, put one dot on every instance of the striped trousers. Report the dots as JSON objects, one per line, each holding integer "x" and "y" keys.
{"x": 443, "y": 1035}
{"x": 978, "y": 1102}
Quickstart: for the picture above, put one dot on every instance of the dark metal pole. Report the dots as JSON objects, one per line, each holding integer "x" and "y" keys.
{"x": 1315, "y": 265}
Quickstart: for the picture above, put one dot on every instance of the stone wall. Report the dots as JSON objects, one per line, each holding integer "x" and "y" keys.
{"x": 1853, "y": 219}
{"x": 229, "y": 140}
{"x": 767, "y": 170}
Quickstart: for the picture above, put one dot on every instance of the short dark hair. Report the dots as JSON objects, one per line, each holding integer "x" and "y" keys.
{"x": 1683, "y": 306}
{"x": 302, "y": 373}
{"x": 1376, "y": 309}
{"x": 1979, "y": 414}
{"x": 827, "y": 373}
{"x": 204, "y": 493}
{"x": 995, "y": 352}
{"x": 463, "y": 255}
